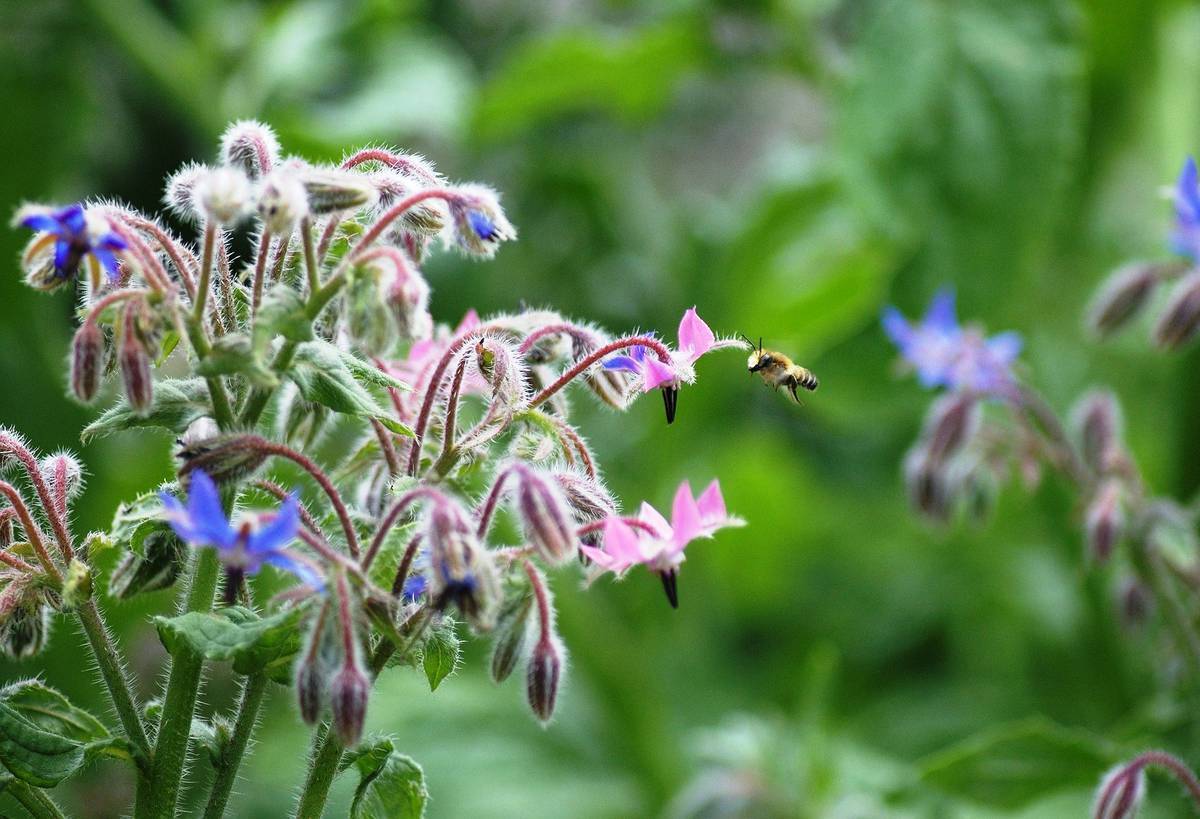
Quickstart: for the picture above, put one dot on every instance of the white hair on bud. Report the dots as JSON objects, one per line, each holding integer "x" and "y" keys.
{"x": 282, "y": 201}
{"x": 223, "y": 194}
{"x": 251, "y": 146}
{"x": 179, "y": 195}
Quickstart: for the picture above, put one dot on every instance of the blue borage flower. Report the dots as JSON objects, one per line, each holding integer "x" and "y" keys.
{"x": 243, "y": 550}
{"x": 1185, "y": 240}
{"x": 944, "y": 354}
{"x": 74, "y": 240}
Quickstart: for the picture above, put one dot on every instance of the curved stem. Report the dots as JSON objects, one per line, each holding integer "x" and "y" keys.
{"x": 395, "y": 212}
{"x": 591, "y": 358}
{"x": 384, "y": 436}
{"x": 451, "y": 422}
{"x": 175, "y": 252}
{"x": 33, "y": 471}
{"x": 395, "y": 161}
{"x": 574, "y": 331}
{"x": 31, "y": 530}
{"x": 488, "y": 510}
{"x": 253, "y": 690}
{"x": 402, "y": 570}
{"x": 598, "y": 525}
{"x": 389, "y": 520}
{"x": 281, "y": 494}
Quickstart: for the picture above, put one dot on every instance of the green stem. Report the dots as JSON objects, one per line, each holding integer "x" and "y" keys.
{"x": 113, "y": 672}
{"x": 1150, "y": 566}
{"x": 179, "y": 703}
{"x": 35, "y": 800}
{"x": 325, "y": 758}
{"x": 252, "y": 696}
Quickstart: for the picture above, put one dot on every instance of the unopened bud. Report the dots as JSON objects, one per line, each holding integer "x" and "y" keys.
{"x": 462, "y": 573}
{"x": 348, "y": 694}
{"x": 589, "y": 500}
{"x": 163, "y": 556}
{"x": 1122, "y": 296}
{"x": 549, "y": 526}
{"x": 180, "y": 193}
{"x": 63, "y": 474}
{"x": 425, "y": 219}
{"x": 87, "y": 357}
{"x": 24, "y": 621}
{"x": 929, "y": 487}
{"x": 310, "y": 689}
{"x": 511, "y": 635}
{"x": 332, "y": 191}
{"x": 951, "y": 422}
{"x": 1181, "y": 317}
{"x": 77, "y": 587}
{"x": 251, "y": 147}
{"x": 409, "y": 299}
{"x": 224, "y": 458}
{"x": 223, "y": 194}
{"x": 1134, "y": 603}
{"x": 1120, "y": 793}
{"x": 543, "y": 675}
{"x": 282, "y": 202}
{"x": 135, "y": 366}
{"x": 1104, "y": 521}
{"x": 368, "y": 318}
{"x": 479, "y": 223}
{"x": 1097, "y": 421}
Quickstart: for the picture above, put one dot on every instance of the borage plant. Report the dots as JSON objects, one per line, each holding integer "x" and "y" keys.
{"x": 327, "y": 322}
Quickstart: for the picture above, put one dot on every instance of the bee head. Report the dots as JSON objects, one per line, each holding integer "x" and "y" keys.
{"x": 759, "y": 360}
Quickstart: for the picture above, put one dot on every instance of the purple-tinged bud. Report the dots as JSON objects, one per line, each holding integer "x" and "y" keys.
{"x": 1134, "y": 602}
{"x": 87, "y": 357}
{"x": 511, "y": 636}
{"x": 63, "y": 473}
{"x": 462, "y": 573}
{"x": 226, "y": 458}
{"x": 333, "y": 191}
{"x": 929, "y": 486}
{"x": 310, "y": 690}
{"x": 349, "y": 691}
{"x": 503, "y": 369}
{"x": 1122, "y": 296}
{"x": 282, "y": 202}
{"x": 180, "y": 193}
{"x": 1105, "y": 521}
{"x": 251, "y": 147}
{"x": 427, "y": 218}
{"x": 135, "y": 365}
{"x": 1120, "y": 793}
{"x": 589, "y": 499}
{"x": 223, "y": 195}
{"x": 1096, "y": 419}
{"x": 163, "y": 556}
{"x": 409, "y": 299}
{"x": 543, "y": 675}
{"x": 951, "y": 422}
{"x": 24, "y": 620}
{"x": 549, "y": 525}
{"x": 1181, "y": 318}
{"x": 479, "y": 223}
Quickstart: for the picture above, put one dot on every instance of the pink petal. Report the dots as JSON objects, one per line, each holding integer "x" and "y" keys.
{"x": 654, "y": 518}
{"x": 695, "y": 337}
{"x": 711, "y": 504}
{"x": 657, "y": 374}
{"x": 469, "y": 322}
{"x": 600, "y": 557}
{"x": 621, "y": 543}
{"x": 685, "y": 518}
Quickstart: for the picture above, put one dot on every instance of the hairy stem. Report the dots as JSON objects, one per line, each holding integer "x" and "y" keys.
{"x": 35, "y": 800}
{"x": 253, "y": 690}
{"x": 112, "y": 669}
{"x": 324, "y": 758}
{"x": 581, "y": 366}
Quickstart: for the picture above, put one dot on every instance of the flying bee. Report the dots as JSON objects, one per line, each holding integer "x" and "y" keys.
{"x": 778, "y": 370}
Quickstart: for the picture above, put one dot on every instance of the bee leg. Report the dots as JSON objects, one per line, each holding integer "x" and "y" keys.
{"x": 792, "y": 389}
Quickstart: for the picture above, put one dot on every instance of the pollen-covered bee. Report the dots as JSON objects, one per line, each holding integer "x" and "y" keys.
{"x": 778, "y": 370}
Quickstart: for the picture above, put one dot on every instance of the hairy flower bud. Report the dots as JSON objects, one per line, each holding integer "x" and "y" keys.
{"x": 77, "y": 586}
{"x": 543, "y": 675}
{"x": 1104, "y": 521}
{"x": 226, "y": 458}
{"x": 331, "y": 191}
{"x": 426, "y": 218}
{"x": 1096, "y": 419}
{"x": 511, "y": 635}
{"x": 409, "y": 299}
{"x": 223, "y": 194}
{"x": 282, "y": 201}
{"x": 951, "y": 422}
{"x": 179, "y": 195}
{"x": 1133, "y": 602}
{"x": 479, "y": 223}
{"x": 929, "y": 487}
{"x": 368, "y": 317}
{"x": 24, "y": 620}
{"x": 310, "y": 690}
{"x": 462, "y": 572}
{"x": 63, "y": 473}
{"x": 1181, "y": 318}
{"x": 1122, "y": 296}
{"x": 135, "y": 366}
{"x": 163, "y": 556}
{"x": 1120, "y": 793}
{"x": 87, "y": 357}
{"x": 349, "y": 691}
{"x": 549, "y": 526}
{"x": 251, "y": 147}
{"x": 589, "y": 501}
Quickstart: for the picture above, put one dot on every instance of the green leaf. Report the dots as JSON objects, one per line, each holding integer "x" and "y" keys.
{"x": 324, "y": 376}
{"x": 252, "y": 642}
{"x": 282, "y": 312}
{"x": 154, "y": 554}
{"x": 177, "y": 403}
{"x": 43, "y": 737}
{"x": 371, "y": 375}
{"x": 236, "y": 354}
{"x": 392, "y": 785}
{"x": 1013, "y": 765}
{"x": 441, "y": 654}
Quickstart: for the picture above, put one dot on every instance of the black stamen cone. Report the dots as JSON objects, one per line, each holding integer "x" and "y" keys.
{"x": 670, "y": 586}
{"x": 233, "y": 584}
{"x": 670, "y": 401}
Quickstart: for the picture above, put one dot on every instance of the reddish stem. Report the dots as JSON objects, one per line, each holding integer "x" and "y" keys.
{"x": 108, "y": 300}
{"x": 281, "y": 494}
{"x": 345, "y": 618}
{"x": 260, "y": 268}
{"x": 1160, "y": 759}
{"x": 15, "y": 562}
{"x": 58, "y": 522}
{"x": 393, "y": 160}
{"x": 327, "y": 235}
{"x": 172, "y": 248}
{"x": 591, "y": 358}
{"x": 451, "y": 421}
{"x": 389, "y": 520}
{"x": 574, "y": 331}
{"x": 410, "y": 554}
{"x": 636, "y": 523}
{"x": 542, "y": 598}
{"x": 385, "y": 444}
{"x": 395, "y": 212}
{"x": 152, "y": 270}
{"x": 488, "y": 510}
{"x": 31, "y": 530}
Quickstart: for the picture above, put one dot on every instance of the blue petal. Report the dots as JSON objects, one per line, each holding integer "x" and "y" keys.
{"x": 622, "y": 363}
{"x": 111, "y": 241}
{"x": 940, "y": 315}
{"x": 43, "y": 222}
{"x": 178, "y": 517}
{"x": 306, "y": 573}
{"x": 204, "y": 508}
{"x": 62, "y": 257}
{"x": 72, "y": 219}
{"x": 482, "y": 225}
{"x": 414, "y": 588}
{"x": 897, "y": 327}
{"x": 108, "y": 260}
{"x": 1187, "y": 194}
{"x": 279, "y": 532}
{"x": 1005, "y": 347}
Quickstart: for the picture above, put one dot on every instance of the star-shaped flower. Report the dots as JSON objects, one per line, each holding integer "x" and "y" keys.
{"x": 75, "y": 239}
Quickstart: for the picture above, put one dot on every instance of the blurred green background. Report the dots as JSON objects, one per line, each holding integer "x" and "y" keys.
{"x": 789, "y": 166}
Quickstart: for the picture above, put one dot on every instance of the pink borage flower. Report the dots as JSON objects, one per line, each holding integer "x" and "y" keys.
{"x": 657, "y": 543}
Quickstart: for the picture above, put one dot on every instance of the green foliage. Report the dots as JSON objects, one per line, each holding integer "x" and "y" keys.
{"x": 254, "y": 643}
{"x": 44, "y": 738}
{"x": 391, "y": 785}
{"x": 153, "y": 554}
{"x": 328, "y": 376}
{"x": 441, "y": 653}
{"x": 177, "y": 403}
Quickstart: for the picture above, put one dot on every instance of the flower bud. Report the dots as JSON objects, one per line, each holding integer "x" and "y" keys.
{"x": 163, "y": 556}
{"x": 348, "y": 694}
{"x": 503, "y": 369}
{"x": 226, "y": 458}
{"x": 409, "y": 299}
{"x": 1120, "y": 793}
{"x": 63, "y": 474}
{"x": 588, "y": 499}
{"x": 368, "y": 317}
{"x": 929, "y": 487}
{"x": 511, "y": 635}
{"x": 310, "y": 690}
{"x": 1122, "y": 296}
{"x": 332, "y": 191}
{"x": 135, "y": 366}
{"x": 223, "y": 194}
{"x": 87, "y": 356}
{"x": 951, "y": 422}
{"x": 479, "y": 223}
{"x": 77, "y": 587}
{"x": 1181, "y": 317}
{"x": 427, "y": 218}
{"x": 462, "y": 573}
{"x": 1097, "y": 422}
{"x": 1134, "y": 603}
{"x": 549, "y": 526}
{"x": 282, "y": 202}
{"x": 251, "y": 147}
{"x": 543, "y": 675}
{"x": 1104, "y": 521}
{"x": 180, "y": 193}
{"x": 24, "y": 620}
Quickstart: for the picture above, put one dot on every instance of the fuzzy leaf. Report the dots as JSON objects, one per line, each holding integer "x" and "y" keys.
{"x": 441, "y": 655}
{"x": 154, "y": 554}
{"x": 177, "y": 403}
{"x": 252, "y": 642}
{"x": 325, "y": 377}
{"x": 392, "y": 785}
{"x": 43, "y": 737}
{"x": 282, "y": 313}
{"x": 236, "y": 354}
